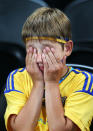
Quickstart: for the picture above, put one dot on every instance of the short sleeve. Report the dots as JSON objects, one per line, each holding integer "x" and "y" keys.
{"x": 79, "y": 108}
{"x": 14, "y": 93}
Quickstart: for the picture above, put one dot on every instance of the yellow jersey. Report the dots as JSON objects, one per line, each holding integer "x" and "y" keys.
{"x": 76, "y": 87}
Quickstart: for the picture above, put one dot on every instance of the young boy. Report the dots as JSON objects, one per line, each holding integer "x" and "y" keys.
{"x": 47, "y": 94}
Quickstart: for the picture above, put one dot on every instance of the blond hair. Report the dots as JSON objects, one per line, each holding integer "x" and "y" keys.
{"x": 45, "y": 21}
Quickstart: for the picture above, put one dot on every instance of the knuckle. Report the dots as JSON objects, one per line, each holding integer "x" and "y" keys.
{"x": 51, "y": 69}
{"x": 57, "y": 67}
{"x": 28, "y": 68}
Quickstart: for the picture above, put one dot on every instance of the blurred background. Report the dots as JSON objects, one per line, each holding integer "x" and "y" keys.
{"x": 13, "y": 14}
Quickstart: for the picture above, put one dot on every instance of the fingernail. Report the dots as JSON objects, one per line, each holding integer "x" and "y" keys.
{"x": 44, "y": 51}
{"x": 30, "y": 49}
{"x": 43, "y": 55}
{"x": 47, "y": 49}
{"x": 53, "y": 50}
{"x": 34, "y": 50}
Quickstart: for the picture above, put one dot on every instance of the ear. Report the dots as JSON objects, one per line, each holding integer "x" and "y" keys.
{"x": 68, "y": 47}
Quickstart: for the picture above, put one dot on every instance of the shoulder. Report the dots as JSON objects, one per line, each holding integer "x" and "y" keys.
{"x": 78, "y": 80}
{"x": 84, "y": 81}
{"x": 20, "y": 72}
{"x": 15, "y": 78}
{"x": 81, "y": 74}
{"x": 77, "y": 75}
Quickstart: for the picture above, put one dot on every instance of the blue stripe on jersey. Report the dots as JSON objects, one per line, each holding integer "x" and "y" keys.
{"x": 12, "y": 82}
{"x": 12, "y": 78}
{"x": 77, "y": 72}
{"x": 91, "y": 82}
{"x": 7, "y": 83}
{"x": 86, "y": 81}
{"x": 66, "y": 75}
{"x": 63, "y": 78}
{"x": 7, "y": 91}
{"x": 22, "y": 70}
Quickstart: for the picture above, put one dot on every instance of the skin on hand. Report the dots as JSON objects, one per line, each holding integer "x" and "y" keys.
{"x": 52, "y": 56}
{"x": 53, "y": 68}
{"x": 32, "y": 67}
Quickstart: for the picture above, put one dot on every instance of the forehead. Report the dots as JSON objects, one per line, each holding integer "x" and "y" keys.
{"x": 42, "y": 43}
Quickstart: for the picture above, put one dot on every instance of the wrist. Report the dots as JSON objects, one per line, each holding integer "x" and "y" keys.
{"x": 38, "y": 84}
{"x": 39, "y": 88}
{"x": 51, "y": 84}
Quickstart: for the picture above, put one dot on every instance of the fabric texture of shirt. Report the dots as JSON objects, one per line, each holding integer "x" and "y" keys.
{"x": 76, "y": 87}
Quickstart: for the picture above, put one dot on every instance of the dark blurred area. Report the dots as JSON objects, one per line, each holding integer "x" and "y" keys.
{"x": 13, "y": 14}
{"x": 60, "y": 4}
{"x": 80, "y": 13}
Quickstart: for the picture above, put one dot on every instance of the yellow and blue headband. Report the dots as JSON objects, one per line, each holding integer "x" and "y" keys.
{"x": 47, "y": 38}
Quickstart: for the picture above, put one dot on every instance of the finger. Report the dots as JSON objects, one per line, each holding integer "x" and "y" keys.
{"x": 51, "y": 55}
{"x": 26, "y": 60}
{"x": 34, "y": 56}
{"x": 30, "y": 54}
{"x": 56, "y": 57}
{"x": 44, "y": 61}
{"x": 34, "y": 59}
{"x": 48, "y": 60}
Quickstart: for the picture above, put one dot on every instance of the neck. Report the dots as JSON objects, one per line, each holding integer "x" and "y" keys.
{"x": 65, "y": 70}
